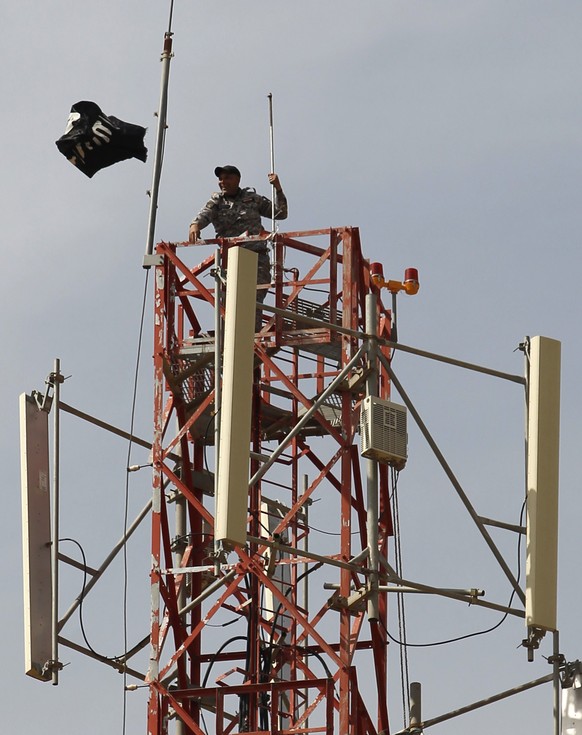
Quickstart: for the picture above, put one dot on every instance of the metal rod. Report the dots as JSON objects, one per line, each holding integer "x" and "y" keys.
{"x": 395, "y": 345}
{"x": 300, "y": 554}
{"x": 305, "y": 418}
{"x": 415, "y": 704}
{"x": 401, "y": 588}
{"x": 448, "y": 593}
{"x": 217, "y": 377}
{"x": 113, "y": 429}
{"x": 505, "y": 526}
{"x": 483, "y": 702}
{"x": 212, "y": 587}
{"x": 272, "y": 153}
{"x": 394, "y": 320}
{"x": 159, "y": 151}
{"x": 445, "y": 590}
{"x": 306, "y": 581}
{"x": 453, "y": 479}
{"x": 113, "y": 662}
{"x": 372, "y": 464}
{"x": 363, "y": 554}
{"x": 557, "y": 684}
{"x": 56, "y": 380}
{"x": 181, "y": 512}
{"x": 110, "y": 557}
{"x": 310, "y": 555}
{"x": 65, "y": 559}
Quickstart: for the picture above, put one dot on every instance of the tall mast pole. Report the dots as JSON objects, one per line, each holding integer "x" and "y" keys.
{"x": 56, "y": 380}
{"x": 160, "y": 140}
{"x": 372, "y": 464}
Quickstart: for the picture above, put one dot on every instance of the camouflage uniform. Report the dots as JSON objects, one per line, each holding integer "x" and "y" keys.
{"x": 233, "y": 216}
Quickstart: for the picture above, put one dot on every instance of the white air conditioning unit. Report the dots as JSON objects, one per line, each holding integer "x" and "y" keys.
{"x": 383, "y": 431}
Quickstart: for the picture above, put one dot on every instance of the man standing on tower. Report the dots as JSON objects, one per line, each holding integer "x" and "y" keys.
{"x": 234, "y": 211}
{"x": 237, "y": 212}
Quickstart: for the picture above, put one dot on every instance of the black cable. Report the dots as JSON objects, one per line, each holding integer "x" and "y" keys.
{"x": 450, "y": 640}
{"x": 330, "y": 533}
{"x": 205, "y": 438}
{"x": 265, "y": 528}
{"x": 321, "y": 660}
{"x": 478, "y": 632}
{"x": 222, "y": 625}
{"x": 267, "y": 652}
{"x": 289, "y": 589}
{"x": 217, "y": 654}
{"x": 244, "y": 698}
{"x": 263, "y": 668}
{"x": 81, "y": 600}
{"x": 523, "y": 507}
{"x": 190, "y": 536}
{"x": 82, "y": 597}
{"x": 268, "y": 655}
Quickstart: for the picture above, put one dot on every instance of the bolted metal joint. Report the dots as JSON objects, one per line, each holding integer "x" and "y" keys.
{"x": 532, "y": 642}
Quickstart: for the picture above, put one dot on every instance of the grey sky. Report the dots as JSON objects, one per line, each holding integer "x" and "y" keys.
{"x": 449, "y": 132}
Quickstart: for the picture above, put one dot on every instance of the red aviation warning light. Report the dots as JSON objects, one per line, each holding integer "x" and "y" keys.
{"x": 410, "y": 284}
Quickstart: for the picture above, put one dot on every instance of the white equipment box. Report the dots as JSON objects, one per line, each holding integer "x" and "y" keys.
{"x": 383, "y": 431}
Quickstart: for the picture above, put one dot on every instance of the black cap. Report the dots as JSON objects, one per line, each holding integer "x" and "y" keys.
{"x": 226, "y": 170}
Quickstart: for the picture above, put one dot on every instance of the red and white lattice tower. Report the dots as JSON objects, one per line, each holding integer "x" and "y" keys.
{"x": 277, "y": 635}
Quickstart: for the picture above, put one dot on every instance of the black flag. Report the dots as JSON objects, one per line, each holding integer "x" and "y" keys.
{"x": 93, "y": 140}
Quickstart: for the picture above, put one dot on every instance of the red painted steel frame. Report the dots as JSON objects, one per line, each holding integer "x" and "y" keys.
{"x": 297, "y": 661}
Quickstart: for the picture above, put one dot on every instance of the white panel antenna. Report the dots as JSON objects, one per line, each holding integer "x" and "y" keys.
{"x": 543, "y": 442}
{"x": 36, "y": 538}
{"x": 235, "y": 411}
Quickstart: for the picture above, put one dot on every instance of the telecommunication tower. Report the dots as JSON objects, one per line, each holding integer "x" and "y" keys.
{"x": 270, "y": 516}
{"x": 301, "y": 656}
